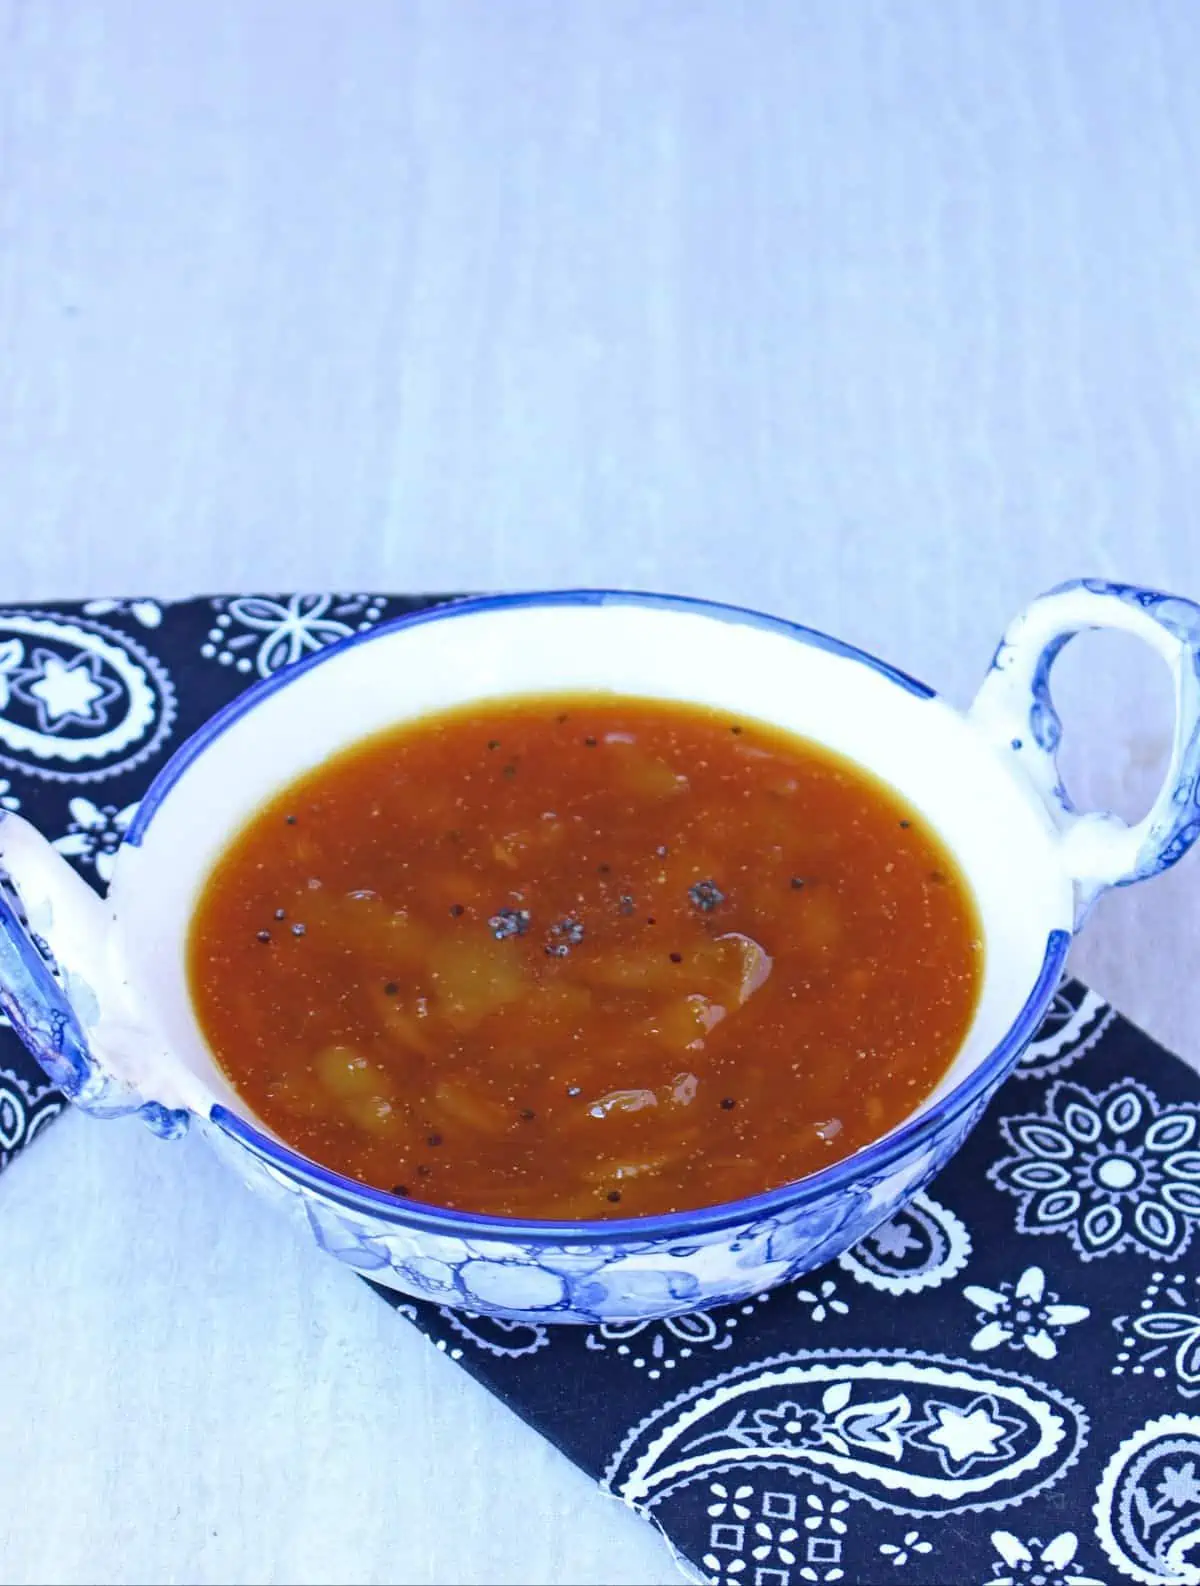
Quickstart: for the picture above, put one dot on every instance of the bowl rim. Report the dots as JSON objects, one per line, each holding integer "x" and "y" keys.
{"x": 867, "y": 1162}
{"x": 454, "y": 606}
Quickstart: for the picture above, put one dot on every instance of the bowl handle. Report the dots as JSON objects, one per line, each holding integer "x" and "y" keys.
{"x": 1015, "y": 710}
{"x": 56, "y": 985}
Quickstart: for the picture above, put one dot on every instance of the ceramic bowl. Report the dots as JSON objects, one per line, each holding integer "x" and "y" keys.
{"x": 97, "y": 987}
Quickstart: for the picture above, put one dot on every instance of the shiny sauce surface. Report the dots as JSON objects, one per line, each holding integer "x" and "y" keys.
{"x": 584, "y": 957}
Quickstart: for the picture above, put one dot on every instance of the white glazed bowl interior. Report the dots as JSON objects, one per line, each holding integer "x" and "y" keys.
{"x": 741, "y": 663}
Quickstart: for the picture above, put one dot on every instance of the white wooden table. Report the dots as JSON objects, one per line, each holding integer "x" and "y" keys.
{"x": 885, "y": 315}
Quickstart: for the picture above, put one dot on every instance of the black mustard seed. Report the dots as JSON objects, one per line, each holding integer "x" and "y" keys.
{"x": 509, "y": 922}
{"x": 706, "y": 895}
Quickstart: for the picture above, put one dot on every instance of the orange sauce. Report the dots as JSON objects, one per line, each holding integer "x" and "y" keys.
{"x": 584, "y": 957}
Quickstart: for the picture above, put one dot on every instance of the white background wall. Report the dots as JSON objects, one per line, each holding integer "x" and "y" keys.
{"x": 880, "y": 313}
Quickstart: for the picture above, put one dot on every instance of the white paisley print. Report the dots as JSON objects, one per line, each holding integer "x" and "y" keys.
{"x": 921, "y": 1247}
{"x": 1147, "y": 1507}
{"x": 1114, "y": 1170}
{"x": 79, "y": 701}
{"x": 1070, "y": 1027}
{"x": 917, "y": 1434}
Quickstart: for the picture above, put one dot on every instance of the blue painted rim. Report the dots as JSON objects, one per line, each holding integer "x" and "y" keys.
{"x": 632, "y": 1230}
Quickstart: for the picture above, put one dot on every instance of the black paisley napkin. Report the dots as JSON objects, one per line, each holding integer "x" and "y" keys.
{"x": 998, "y": 1386}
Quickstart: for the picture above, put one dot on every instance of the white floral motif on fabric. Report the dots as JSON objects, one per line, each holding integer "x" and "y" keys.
{"x": 262, "y": 633}
{"x": 1117, "y": 1170}
{"x": 95, "y": 834}
{"x": 822, "y": 1302}
{"x": 1162, "y": 1339}
{"x": 760, "y": 1537}
{"x": 825, "y": 1527}
{"x": 1022, "y": 1315}
{"x": 911, "y": 1545}
{"x": 1037, "y": 1563}
{"x": 64, "y": 689}
{"x": 728, "y": 1513}
{"x": 964, "y": 1436}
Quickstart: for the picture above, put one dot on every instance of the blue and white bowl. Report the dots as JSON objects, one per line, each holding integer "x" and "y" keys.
{"x": 116, "y": 1030}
